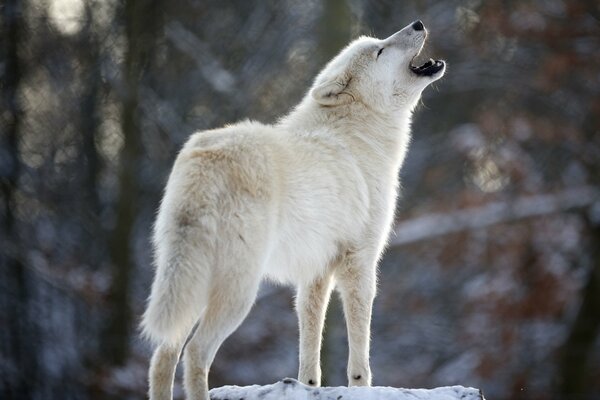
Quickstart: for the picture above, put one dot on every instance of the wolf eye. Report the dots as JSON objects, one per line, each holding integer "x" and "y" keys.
{"x": 379, "y": 52}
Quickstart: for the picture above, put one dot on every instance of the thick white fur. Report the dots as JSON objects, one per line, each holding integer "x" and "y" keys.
{"x": 308, "y": 201}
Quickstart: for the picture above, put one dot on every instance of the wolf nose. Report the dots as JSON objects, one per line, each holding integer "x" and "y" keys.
{"x": 418, "y": 25}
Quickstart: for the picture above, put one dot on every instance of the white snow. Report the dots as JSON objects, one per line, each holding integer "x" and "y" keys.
{"x": 291, "y": 389}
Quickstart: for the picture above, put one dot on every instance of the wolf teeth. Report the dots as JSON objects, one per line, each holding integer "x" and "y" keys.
{"x": 428, "y": 68}
{"x": 427, "y": 64}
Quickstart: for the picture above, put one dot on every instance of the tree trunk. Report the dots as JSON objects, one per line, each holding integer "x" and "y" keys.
{"x": 18, "y": 341}
{"x": 334, "y": 30}
{"x": 141, "y": 28}
{"x": 574, "y": 373}
{"x": 90, "y": 122}
{"x": 584, "y": 331}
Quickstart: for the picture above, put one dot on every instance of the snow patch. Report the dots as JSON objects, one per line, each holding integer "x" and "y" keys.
{"x": 291, "y": 389}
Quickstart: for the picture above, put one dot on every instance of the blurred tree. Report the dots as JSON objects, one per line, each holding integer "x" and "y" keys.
{"x": 19, "y": 342}
{"x": 334, "y": 29}
{"x": 334, "y": 32}
{"x": 574, "y": 364}
{"x": 142, "y": 25}
{"x": 89, "y": 111}
{"x": 578, "y": 347}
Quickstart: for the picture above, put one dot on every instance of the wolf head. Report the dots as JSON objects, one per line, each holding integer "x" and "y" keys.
{"x": 379, "y": 73}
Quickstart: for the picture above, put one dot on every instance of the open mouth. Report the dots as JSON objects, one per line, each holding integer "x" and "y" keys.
{"x": 429, "y": 68}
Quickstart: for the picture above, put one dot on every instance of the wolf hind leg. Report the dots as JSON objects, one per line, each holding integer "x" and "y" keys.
{"x": 162, "y": 371}
{"x": 231, "y": 291}
{"x": 229, "y": 304}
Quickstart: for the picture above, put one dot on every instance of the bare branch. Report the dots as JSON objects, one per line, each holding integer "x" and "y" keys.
{"x": 438, "y": 224}
{"x": 214, "y": 73}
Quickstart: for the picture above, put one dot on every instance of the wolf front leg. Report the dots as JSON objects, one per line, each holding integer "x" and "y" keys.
{"x": 311, "y": 306}
{"x": 356, "y": 282}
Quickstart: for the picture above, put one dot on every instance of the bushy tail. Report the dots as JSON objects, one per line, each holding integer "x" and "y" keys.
{"x": 178, "y": 293}
{"x": 185, "y": 245}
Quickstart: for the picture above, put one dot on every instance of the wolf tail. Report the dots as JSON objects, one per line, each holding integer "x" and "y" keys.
{"x": 184, "y": 242}
{"x": 178, "y": 294}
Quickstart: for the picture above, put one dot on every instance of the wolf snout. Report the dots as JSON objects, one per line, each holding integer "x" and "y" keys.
{"x": 410, "y": 36}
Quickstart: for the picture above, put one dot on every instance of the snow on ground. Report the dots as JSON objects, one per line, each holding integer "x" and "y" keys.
{"x": 291, "y": 389}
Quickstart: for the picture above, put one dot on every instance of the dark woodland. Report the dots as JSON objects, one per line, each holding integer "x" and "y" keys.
{"x": 492, "y": 275}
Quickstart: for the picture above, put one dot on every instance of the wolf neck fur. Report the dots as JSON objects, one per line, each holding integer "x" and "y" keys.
{"x": 386, "y": 136}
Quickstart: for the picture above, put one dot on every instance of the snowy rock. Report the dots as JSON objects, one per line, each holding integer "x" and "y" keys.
{"x": 291, "y": 389}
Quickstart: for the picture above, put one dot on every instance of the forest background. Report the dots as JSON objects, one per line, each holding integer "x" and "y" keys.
{"x": 492, "y": 277}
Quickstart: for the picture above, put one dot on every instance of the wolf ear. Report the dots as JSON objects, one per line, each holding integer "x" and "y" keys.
{"x": 333, "y": 92}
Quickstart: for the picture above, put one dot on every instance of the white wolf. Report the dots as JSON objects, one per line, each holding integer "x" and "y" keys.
{"x": 308, "y": 201}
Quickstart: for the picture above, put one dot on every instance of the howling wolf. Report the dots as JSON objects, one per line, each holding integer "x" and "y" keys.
{"x": 308, "y": 201}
